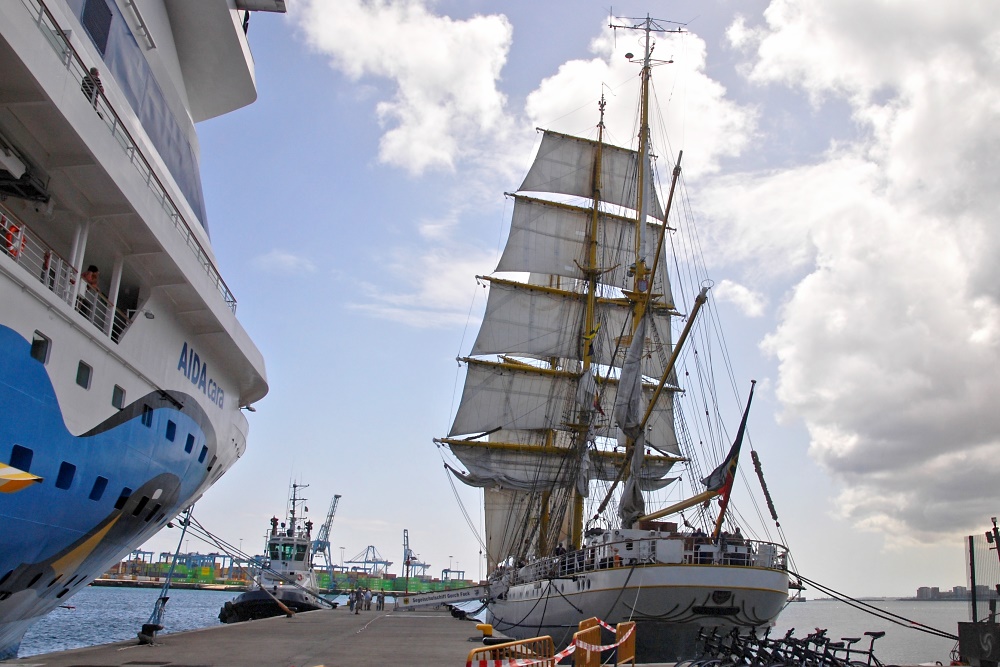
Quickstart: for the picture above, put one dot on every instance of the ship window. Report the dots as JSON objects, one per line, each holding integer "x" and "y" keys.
{"x": 62, "y": 592}
{"x": 147, "y": 416}
{"x": 83, "y": 374}
{"x": 300, "y": 552}
{"x": 211, "y": 464}
{"x": 171, "y": 430}
{"x": 152, "y": 512}
{"x": 118, "y": 397}
{"x": 141, "y": 506}
{"x": 97, "y": 491}
{"x": 66, "y": 473}
{"x": 123, "y": 498}
{"x": 34, "y": 580}
{"x": 203, "y": 454}
{"x": 97, "y": 21}
{"x": 20, "y": 458}
{"x": 6, "y": 577}
{"x": 189, "y": 445}
{"x": 40, "y": 347}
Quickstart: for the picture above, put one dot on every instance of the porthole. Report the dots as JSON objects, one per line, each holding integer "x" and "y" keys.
{"x": 100, "y": 484}
{"x": 152, "y": 512}
{"x": 189, "y": 445}
{"x": 118, "y": 397}
{"x": 141, "y": 506}
{"x": 171, "y": 430}
{"x": 40, "y": 345}
{"x": 203, "y": 454}
{"x": 123, "y": 498}
{"x": 66, "y": 473}
{"x": 20, "y": 458}
{"x": 84, "y": 373}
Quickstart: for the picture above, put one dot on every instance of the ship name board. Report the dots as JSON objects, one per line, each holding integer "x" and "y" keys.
{"x": 196, "y": 370}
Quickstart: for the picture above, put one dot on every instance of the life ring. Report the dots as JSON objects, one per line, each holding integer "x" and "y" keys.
{"x": 299, "y": 577}
{"x": 12, "y": 233}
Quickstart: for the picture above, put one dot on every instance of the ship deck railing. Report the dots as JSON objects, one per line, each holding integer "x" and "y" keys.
{"x": 41, "y": 262}
{"x": 641, "y": 552}
{"x": 60, "y": 42}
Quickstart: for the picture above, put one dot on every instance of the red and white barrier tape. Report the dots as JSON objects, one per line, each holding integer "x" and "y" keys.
{"x": 591, "y": 647}
{"x": 526, "y": 662}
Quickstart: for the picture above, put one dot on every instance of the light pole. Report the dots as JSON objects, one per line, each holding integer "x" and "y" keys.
{"x": 341, "y": 558}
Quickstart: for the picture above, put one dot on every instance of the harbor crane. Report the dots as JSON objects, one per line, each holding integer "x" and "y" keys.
{"x": 321, "y": 545}
{"x": 412, "y": 566}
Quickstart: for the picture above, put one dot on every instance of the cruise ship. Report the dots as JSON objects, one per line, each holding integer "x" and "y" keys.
{"x": 124, "y": 373}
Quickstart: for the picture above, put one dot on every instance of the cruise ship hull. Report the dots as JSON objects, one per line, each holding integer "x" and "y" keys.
{"x": 670, "y": 603}
{"x": 123, "y": 368}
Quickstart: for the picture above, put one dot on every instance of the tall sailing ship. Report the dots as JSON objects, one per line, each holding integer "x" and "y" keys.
{"x": 124, "y": 370}
{"x": 571, "y": 415}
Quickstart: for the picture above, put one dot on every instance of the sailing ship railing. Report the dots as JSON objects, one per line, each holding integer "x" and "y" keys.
{"x": 60, "y": 43}
{"x": 48, "y": 267}
{"x": 657, "y": 550}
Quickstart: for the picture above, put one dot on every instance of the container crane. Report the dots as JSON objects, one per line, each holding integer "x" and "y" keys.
{"x": 321, "y": 545}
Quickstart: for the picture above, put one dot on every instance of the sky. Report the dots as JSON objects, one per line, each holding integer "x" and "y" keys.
{"x": 839, "y": 157}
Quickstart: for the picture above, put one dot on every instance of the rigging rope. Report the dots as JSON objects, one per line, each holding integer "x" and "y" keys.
{"x": 875, "y": 611}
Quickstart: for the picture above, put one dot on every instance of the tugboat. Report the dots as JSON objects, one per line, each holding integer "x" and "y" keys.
{"x": 285, "y": 583}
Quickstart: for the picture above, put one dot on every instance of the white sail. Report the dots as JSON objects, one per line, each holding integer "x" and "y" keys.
{"x": 549, "y": 238}
{"x": 544, "y": 469}
{"x": 523, "y": 397}
{"x": 546, "y": 324}
{"x": 565, "y": 165}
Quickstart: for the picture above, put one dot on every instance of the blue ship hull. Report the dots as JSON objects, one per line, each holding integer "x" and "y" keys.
{"x": 62, "y": 532}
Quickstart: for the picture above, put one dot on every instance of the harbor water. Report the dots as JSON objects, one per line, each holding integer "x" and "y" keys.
{"x": 99, "y": 615}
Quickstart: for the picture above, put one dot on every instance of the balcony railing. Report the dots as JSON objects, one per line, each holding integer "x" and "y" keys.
{"x": 49, "y": 268}
{"x": 641, "y": 552}
{"x": 58, "y": 39}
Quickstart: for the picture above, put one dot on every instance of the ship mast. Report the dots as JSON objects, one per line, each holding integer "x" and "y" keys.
{"x": 642, "y": 284}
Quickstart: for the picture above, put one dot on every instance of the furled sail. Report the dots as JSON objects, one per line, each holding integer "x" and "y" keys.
{"x": 565, "y": 165}
{"x": 629, "y": 412}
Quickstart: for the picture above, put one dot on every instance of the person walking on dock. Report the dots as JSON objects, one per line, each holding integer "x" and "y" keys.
{"x": 368, "y": 599}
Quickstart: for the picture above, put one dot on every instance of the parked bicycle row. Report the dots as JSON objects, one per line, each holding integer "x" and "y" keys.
{"x": 738, "y": 648}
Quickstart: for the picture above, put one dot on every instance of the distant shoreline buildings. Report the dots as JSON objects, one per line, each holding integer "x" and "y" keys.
{"x": 956, "y": 593}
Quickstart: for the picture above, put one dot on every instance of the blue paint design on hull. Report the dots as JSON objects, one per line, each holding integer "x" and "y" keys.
{"x": 55, "y": 541}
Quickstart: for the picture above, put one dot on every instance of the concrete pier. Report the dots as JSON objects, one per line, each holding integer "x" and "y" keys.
{"x": 313, "y": 639}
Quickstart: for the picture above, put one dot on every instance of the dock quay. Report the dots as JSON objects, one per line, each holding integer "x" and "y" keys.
{"x": 314, "y": 639}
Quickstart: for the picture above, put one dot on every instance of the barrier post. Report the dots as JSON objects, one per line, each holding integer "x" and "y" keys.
{"x": 625, "y": 639}
{"x": 589, "y": 635}
{"x": 538, "y": 650}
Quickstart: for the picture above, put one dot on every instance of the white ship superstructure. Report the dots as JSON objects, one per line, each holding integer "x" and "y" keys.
{"x": 121, "y": 390}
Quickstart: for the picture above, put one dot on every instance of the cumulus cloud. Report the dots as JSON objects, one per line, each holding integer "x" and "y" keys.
{"x": 432, "y": 290}
{"x": 444, "y": 73}
{"x": 694, "y": 106}
{"x": 888, "y": 340}
{"x": 749, "y": 302}
{"x": 283, "y": 261}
